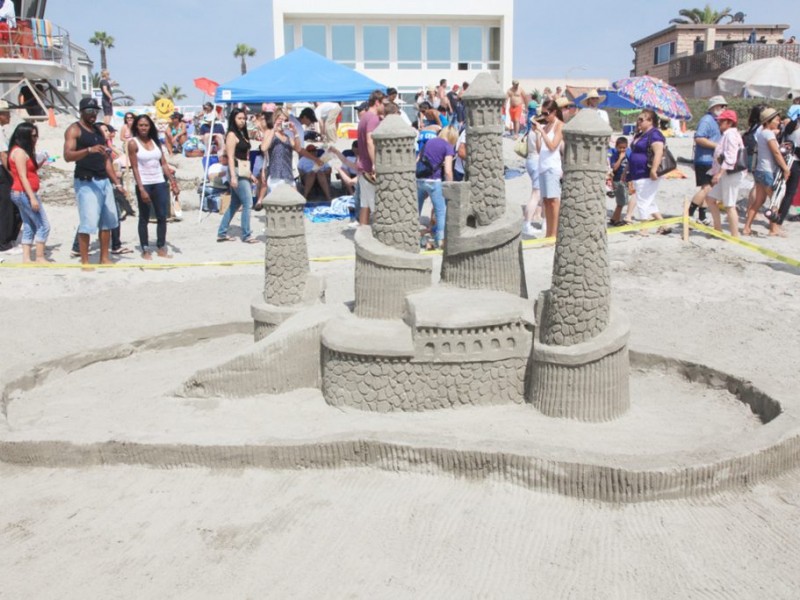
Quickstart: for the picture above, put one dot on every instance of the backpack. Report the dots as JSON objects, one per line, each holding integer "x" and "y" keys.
{"x": 749, "y": 139}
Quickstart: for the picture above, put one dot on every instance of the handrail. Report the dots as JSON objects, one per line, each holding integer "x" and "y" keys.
{"x": 711, "y": 63}
{"x": 35, "y": 39}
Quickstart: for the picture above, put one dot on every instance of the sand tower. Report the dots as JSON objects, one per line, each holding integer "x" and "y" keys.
{"x": 580, "y": 353}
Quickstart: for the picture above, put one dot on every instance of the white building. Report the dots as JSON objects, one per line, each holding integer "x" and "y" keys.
{"x": 407, "y": 45}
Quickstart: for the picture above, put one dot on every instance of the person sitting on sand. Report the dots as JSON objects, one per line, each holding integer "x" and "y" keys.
{"x": 312, "y": 173}
{"x": 175, "y": 134}
{"x": 348, "y": 171}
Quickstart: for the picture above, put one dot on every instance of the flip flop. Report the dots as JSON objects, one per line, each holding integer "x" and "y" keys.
{"x": 225, "y": 238}
{"x": 251, "y": 241}
{"x": 122, "y": 251}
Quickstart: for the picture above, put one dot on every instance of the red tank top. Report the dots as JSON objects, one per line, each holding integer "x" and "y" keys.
{"x": 30, "y": 167}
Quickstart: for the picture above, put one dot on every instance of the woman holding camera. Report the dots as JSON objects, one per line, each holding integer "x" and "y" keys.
{"x": 550, "y": 171}
{"x": 279, "y": 142}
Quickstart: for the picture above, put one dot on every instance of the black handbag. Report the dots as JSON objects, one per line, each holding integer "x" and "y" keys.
{"x": 668, "y": 162}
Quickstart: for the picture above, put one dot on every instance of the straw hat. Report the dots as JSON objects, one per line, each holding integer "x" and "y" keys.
{"x": 4, "y": 106}
{"x": 563, "y": 102}
{"x": 592, "y": 94}
{"x": 768, "y": 114}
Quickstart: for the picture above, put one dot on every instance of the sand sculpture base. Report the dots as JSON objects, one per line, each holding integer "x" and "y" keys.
{"x": 691, "y": 430}
{"x": 586, "y": 381}
{"x": 453, "y": 347}
{"x": 266, "y": 316}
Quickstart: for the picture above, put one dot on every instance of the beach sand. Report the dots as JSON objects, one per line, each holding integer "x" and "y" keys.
{"x": 201, "y": 532}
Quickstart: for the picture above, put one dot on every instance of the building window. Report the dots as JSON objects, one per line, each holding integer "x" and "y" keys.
{"x": 314, "y": 39}
{"x": 288, "y": 38}
{"x": 84, "y": 83}
{"x": 663, "y": 53}
{"x": 494, "y": 48}
{"x": 699, "y": 46}
{"x": 438, "y": 47}
{"x": 470, "y": 47}
{"x": 409, "y": 47}
{"x": 376, "y": 47}
{"x": 343, "y": 42}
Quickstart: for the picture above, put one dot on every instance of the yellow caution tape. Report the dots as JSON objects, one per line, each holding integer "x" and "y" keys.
{"x": 749, "y": 245}
{"x": 527, "y": 244}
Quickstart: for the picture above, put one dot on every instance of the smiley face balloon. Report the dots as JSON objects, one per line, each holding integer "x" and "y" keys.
{"x": 164, "y": 108}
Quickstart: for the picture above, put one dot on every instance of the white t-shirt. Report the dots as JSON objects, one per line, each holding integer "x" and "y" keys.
{"x": 7, "y": 14}
{"x": 766, "y": 162}
{"x": 324, "y": 109}
{"x": 462, "y": 139}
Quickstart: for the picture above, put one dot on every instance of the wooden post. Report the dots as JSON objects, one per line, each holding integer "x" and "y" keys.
{"x": 686, "y": 203}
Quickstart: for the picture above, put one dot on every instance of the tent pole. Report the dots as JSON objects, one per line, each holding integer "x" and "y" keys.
{"x": 205, "y": 167}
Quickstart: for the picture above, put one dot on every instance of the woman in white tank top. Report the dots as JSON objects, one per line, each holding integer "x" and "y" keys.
{"x": 150, "y": 170}
{"x": 550, "y": 171}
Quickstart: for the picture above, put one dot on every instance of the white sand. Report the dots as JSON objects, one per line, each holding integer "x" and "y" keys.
{"x": 196, "y": 533}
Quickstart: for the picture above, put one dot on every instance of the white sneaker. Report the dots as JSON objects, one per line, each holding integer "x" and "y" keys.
{"x": 528, "y": 229}
{"x": 16, "y": 250}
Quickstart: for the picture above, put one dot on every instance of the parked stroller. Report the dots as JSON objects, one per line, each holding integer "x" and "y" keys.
{"x": 773, "y": 203}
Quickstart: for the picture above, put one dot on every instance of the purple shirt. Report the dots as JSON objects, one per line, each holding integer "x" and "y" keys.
{"x": 637, "y": 163}
{"x": 368, "y": 123}
{"x": 435, "y": 151}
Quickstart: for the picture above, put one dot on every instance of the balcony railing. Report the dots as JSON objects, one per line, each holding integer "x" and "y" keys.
{"x": 711, "y": 64}
{"x": 35, "y": 39}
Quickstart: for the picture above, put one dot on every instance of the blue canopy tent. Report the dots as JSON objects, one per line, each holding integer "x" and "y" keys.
{"x": 612, "y": 100}
{"x": 301, "y": 75}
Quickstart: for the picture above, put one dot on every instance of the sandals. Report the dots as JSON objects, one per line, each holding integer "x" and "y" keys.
{"x": 225, "y": 238}
{"x": 250, "y": 240}
{"x": 119, "y": 251}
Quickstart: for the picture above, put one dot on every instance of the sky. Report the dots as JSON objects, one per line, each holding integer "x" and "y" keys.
{"x": 175, "y": 41}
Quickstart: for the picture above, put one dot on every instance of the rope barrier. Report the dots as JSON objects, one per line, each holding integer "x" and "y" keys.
{"x": 526, "y": 244}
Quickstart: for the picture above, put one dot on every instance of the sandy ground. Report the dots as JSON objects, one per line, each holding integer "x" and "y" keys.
{"x": 203, "y": 533}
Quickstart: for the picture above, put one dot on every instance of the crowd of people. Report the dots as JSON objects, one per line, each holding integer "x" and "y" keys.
{"x": 255, "y": 153}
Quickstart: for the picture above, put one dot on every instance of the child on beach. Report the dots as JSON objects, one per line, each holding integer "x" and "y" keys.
{"x": 619, "y": 163}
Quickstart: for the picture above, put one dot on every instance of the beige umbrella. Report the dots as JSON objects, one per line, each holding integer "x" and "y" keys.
{"x": 774, "y": 77}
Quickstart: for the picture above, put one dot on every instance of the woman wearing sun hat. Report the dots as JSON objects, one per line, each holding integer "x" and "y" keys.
{"x": 592, "y": 101}
{"x": 725, "y": 176}
{"x": 769, "y": 160}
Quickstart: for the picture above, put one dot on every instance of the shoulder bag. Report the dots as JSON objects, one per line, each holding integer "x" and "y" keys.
{"x": 668, "y": 162}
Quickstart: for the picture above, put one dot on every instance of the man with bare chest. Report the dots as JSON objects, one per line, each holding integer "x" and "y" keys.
{"x": 516, "y": 99}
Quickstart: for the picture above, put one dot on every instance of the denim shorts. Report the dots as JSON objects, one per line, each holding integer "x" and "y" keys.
{"x": 764, "y": 178}
{"x": 96, "y": 205}
{"x": 550, "y": 183}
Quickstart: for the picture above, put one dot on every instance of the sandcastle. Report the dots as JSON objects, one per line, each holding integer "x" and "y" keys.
{"x": 471, "y": 339}
{"x": 543, "y": 388}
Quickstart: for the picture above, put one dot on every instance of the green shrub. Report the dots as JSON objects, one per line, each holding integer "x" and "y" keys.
{"x": 742, "y": 106}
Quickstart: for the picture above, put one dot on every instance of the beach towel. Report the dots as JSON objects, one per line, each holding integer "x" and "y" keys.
{"x": 339, "y": 210}
{"x": 42, "y": 33}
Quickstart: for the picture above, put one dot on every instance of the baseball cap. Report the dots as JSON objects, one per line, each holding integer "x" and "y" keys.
{"x": 728, "y": 115}
{"x": 88, "y": 103}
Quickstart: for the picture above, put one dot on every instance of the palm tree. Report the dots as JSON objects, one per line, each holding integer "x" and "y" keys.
{"x": 173, "y": 93}
{"x": 241, "y": 51}
{"x": 701, "y": 16}
{"x": 102, "y": 39}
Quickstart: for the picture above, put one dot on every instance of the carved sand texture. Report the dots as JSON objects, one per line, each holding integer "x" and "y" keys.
{"x": 386, "y": 385}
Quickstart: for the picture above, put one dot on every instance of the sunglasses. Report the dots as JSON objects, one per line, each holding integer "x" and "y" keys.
{"x": 545, "y": 114}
